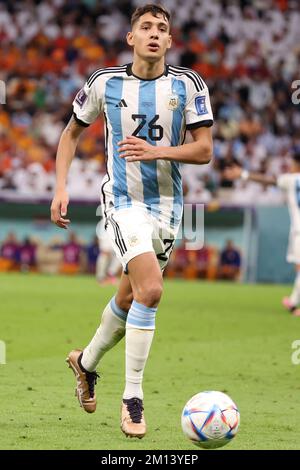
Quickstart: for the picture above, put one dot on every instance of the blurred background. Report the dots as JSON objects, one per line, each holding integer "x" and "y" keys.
{"x": 248, "y": 52}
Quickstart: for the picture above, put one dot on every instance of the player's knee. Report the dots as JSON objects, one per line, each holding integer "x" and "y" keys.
{"x": 124, "y": 302}
{"x": 150, "y": 295}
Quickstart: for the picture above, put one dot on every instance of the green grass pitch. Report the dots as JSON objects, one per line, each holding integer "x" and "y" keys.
{"x": 233, "y": 338}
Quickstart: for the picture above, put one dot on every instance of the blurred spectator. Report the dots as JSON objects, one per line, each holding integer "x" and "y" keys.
{"x": 71, "y": 256}
{"x": 203, "y": 259}
{"x": 97, "y": 257}
{"x": 230, "y": 262}
{"x": 27, "y": 256}
{"x": 193, "y": 264}
{"x": 49, "y": 257}
{"x": 92, "y": 251}
{"x": 9, "y": 253}
{"x": 197, "y": 264}
{"x": 178, "y": 261}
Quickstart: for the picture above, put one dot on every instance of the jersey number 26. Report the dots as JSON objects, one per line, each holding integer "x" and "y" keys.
{"x": 155, "y": 131}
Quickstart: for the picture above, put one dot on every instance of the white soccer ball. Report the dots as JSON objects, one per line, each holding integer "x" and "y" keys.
{"x": 210, "y": 419}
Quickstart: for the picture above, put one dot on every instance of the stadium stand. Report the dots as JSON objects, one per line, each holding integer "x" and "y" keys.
{"x": 48, "y": 49}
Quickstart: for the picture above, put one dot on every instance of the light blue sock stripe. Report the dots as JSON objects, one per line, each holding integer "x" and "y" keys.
{"x": 143, "y": 308}
{"x": 146, "y": 321}
{"x": 140, "y": 324}
{"x": 141, "y": 316}
{"x": 117, "y": 310}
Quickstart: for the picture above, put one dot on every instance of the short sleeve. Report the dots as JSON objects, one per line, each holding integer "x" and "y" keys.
{"x": 87, "y": 104}
{"x": 283, "y": 181}
{"x": 198, "y": 112}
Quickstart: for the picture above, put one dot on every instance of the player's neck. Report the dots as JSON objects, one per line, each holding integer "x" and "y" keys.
{"x": 146, "y": 70}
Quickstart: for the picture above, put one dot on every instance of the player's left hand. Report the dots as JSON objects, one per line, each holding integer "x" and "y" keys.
{"x": 134, "y": 149}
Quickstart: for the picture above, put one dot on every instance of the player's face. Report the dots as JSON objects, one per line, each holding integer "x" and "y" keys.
{"x": 150, "y": 37}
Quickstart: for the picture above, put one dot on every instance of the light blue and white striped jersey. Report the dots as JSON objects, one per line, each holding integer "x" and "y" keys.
{"x": 159, "y": 111}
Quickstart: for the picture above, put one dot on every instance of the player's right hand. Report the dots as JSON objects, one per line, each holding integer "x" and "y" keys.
{"x": 59, "y": 209}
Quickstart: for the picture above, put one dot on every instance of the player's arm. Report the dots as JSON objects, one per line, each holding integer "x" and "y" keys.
{"x": 65, "y": 154}
{"x": 86, "y": 109}
{"x": 236, "y": 172}
{"x": 198, "y": 152}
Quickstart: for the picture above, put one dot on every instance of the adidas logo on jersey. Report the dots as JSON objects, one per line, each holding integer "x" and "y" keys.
{"x": 121, "y": 104}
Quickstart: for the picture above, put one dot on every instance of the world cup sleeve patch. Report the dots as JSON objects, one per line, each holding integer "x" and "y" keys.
{"x": 200, "y": 105}
{"x": 81, "y": 97}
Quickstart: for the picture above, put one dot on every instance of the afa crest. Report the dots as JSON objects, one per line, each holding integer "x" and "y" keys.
{"x": 172, "y": 102}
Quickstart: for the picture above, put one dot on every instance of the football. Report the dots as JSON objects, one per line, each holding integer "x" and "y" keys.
{"x": 210, "y": 419}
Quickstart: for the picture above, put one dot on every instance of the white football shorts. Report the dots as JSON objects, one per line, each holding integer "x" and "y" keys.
{"x": 293, "y": 252}
{"x": 104, "y": 240}
{"x": 134, "y": 231}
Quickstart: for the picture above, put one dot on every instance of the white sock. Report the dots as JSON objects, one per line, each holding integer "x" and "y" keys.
{"x": 101, "y": 266}
{"x": 109, "y": 333}
{"x": 140, "y": 327}
{"x": 295, "y": 296}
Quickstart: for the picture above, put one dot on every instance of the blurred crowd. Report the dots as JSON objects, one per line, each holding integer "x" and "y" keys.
{"x": 248, "y": 52}
{"x": 33, "y": 255}
{"x": 74, "y": 257}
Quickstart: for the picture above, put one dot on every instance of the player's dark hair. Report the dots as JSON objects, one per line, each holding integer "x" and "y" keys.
{"x": 155, "y": 10}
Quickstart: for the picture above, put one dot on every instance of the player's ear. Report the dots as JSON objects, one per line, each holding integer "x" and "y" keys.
{"x": 169, "y": 42}
{"x": 129, "y": 38}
